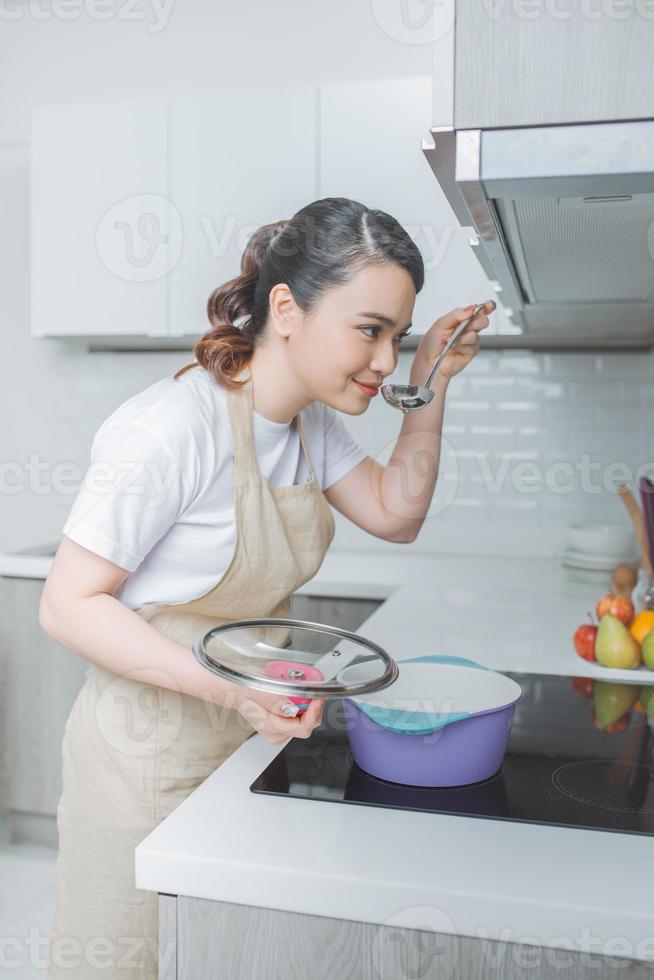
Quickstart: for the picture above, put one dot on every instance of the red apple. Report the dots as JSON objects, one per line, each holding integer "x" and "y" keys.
{"x": 584, "y": 641}
{"x": 619, "y": 725}
{"x": 583, "y": 686}
{"x": 619, "y": 606}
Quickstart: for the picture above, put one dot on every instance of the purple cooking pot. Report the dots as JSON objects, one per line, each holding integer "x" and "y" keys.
{"x": 445, "y": 721}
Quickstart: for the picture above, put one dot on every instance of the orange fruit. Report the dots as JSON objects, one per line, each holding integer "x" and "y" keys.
{"x": 642, "y": 623}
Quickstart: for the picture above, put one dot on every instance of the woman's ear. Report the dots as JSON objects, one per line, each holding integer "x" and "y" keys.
{"x": 285, "y": 314}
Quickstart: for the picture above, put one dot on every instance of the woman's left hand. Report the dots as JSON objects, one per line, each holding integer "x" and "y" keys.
{"x": 440, "y": 332}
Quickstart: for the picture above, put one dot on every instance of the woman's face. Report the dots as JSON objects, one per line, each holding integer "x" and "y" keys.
{"x": 341, "y": 353}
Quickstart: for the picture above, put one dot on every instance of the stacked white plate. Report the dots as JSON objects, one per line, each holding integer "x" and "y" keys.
{"x": 599, "y": 547}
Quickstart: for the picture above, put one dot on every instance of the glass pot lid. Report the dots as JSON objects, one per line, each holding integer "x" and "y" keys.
{"x": 289, "y": 656}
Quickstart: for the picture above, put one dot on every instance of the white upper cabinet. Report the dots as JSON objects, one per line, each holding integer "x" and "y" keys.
{"x": 139, "y": 209}
{"x": 239, "y": 160}
{"x": 370, "y": 150}
{"x": 100, "y": 219}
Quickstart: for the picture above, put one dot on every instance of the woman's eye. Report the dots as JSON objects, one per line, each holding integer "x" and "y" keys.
{"x": 374, "y": 332}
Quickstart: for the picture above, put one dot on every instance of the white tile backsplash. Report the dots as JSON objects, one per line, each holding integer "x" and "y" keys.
{"x": 504, "y": 411}
{"x": 571, "y": 416}
{"x": 518, "y": 364}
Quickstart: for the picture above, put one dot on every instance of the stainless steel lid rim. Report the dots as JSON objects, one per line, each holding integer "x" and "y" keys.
{"x": 275, "y": 685}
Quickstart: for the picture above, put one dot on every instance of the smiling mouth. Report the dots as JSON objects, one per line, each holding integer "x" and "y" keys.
{"x": 369, "y": 389}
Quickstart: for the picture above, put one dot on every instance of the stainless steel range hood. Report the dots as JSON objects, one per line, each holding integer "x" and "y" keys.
{"x": 563, "y": 222}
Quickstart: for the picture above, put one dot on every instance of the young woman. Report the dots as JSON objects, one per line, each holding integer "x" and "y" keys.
{"x": 210, "y": 501}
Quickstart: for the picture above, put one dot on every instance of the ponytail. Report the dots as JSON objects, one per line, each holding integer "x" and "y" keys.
{"x": 227, "y": 348}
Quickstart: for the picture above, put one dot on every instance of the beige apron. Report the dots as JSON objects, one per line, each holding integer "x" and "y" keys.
{"x": 132, "y": 751}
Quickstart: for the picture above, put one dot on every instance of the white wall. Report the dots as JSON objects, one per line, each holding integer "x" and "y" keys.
{"x": 546, "y": 408}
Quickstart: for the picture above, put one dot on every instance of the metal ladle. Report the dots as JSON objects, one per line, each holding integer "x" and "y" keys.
{"x": 409, "y": 397}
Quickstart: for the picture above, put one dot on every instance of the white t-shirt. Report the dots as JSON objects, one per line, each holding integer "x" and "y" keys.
{"x": 157, "y": 498}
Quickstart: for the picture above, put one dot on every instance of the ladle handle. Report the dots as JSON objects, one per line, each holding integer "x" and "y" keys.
{"x": 453, "y": 339}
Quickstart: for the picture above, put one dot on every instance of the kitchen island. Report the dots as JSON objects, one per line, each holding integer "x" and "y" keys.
{"x": 255, "y": 885}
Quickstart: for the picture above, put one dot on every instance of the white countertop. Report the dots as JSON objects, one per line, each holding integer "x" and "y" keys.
{"x": 560, "y": 887}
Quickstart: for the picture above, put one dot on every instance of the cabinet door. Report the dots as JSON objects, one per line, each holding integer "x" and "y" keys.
{"x": 42, "y": 680}
{"x": 239, "y": 159}
{"x": 371, "y": 150}
{"x": 103, "y": 232}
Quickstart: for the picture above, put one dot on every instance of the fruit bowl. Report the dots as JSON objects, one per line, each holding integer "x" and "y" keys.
{"x": 590, "y": 668}
{"x": 621, "y": 642}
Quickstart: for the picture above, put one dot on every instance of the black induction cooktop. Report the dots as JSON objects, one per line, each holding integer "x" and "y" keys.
{"x": 568, "y": 763}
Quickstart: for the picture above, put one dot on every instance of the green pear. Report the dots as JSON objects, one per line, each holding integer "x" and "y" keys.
{"x": 645, "y": 697}
{"x": 647, "y": 647}
{"x": 650, "y": 714}
{"x": 615, "y": 646}
{"x": 612, "y": 700}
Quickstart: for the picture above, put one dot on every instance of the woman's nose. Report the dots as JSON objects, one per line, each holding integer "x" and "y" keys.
{"x": 384, "y": 360}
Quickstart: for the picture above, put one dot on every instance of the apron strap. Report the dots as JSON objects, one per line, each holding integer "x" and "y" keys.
{"x": 241, "y": 406}
{"x": 305, "y": 449}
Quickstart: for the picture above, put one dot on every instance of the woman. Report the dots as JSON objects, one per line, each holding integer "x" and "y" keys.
{"x": 217, "y": 508}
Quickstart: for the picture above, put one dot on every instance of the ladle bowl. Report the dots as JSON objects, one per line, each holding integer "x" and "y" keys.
{"x": 408, "y": 398}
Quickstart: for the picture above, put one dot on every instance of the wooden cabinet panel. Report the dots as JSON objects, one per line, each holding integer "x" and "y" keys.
{"x": 42, "y": 680}
{"x": 533, "y": 63}
{"x": 224, "y": 941}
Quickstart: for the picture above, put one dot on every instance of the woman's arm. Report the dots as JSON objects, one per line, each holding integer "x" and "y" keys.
{"x": 79, "y": 611}
{"x": 392, "y": 501}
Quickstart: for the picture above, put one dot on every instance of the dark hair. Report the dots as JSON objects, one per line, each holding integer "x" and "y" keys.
{"x": 323, "y": 245}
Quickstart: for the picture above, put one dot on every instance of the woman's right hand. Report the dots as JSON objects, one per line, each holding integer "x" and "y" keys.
{"x": 264, "y": 712}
